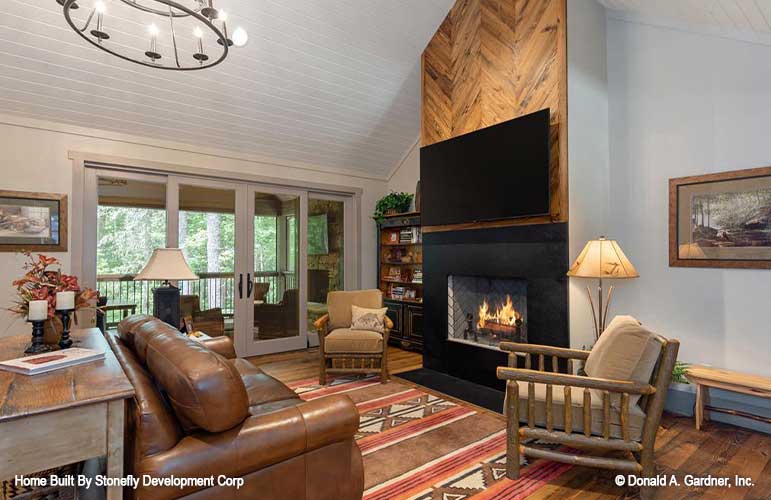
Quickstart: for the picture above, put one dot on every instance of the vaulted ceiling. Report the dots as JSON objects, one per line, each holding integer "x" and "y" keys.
{"x": 733, "y": 18}
{"x": 329, "y": 83}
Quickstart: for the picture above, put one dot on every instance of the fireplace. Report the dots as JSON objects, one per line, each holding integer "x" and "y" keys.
{"x": 523, "y": 265}
{"x": 485, "y": 311}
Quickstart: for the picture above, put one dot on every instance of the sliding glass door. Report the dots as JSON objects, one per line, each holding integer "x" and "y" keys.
{"x": 265, "y": 256}
{"x": 275, "y": 236}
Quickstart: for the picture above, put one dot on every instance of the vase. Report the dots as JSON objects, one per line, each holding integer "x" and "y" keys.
{"x": 52, "y": 330}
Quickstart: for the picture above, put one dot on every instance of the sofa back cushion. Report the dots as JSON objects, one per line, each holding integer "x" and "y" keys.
{"x": 155, "y": 428}
{"x": 204, "y": 390}
{"x": 340, "y": 302}
{"x": 625, "y": 351}
{"x": 128, "y": 326}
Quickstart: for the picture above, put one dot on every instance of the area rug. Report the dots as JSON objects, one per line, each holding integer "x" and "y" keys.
{"x": 421, "y": 445}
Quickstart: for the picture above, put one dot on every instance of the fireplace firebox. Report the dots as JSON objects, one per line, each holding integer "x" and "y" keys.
{"x": 485, "y": 311}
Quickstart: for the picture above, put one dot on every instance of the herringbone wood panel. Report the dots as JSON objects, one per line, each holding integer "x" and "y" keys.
{"x": 494, "y": 60}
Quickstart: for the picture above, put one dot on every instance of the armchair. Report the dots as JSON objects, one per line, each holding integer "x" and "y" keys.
{"x": 211, "y": 321}
{"x": 611, "y": 414}
{"x": 343, "y": 350}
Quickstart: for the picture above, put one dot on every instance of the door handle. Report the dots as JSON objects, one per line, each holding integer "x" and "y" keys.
{"x": 249, "y": 285}
{"x": 240, "y": 286}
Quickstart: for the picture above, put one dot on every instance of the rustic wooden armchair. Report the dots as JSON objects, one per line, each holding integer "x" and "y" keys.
{"x": 345, "y": 351}
{"x": 609, "y": 417}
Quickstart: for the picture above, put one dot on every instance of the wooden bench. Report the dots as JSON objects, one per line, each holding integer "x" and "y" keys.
{"x": 704, "y": 377}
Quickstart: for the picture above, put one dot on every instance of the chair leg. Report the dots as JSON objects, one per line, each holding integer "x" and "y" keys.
{"x": 512, "y": 431}
{"x": 648, "y": 470}
{"x": 322, "y": 369}
{"x": 383, "y": 369}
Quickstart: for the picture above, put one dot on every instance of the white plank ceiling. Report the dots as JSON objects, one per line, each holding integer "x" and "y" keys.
{"x": 732, "y": 18}
{"x": 328, "y": 83}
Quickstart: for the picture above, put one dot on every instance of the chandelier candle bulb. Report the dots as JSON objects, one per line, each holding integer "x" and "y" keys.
{"x": 240, "y": 37}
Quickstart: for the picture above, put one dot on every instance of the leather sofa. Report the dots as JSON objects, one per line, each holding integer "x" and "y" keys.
{"x": 199, "y": 411}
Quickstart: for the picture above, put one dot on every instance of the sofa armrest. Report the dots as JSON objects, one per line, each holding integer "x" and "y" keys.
{"x": 222, "y": 346}
{"x": 259, "y": 442}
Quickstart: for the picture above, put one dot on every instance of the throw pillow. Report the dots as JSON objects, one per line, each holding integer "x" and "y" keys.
{"x": 368, "y": 319}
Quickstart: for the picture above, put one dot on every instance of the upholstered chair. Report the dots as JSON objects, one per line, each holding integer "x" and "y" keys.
{"x": 616, "y": 407}
{"x": 344, "y": 350}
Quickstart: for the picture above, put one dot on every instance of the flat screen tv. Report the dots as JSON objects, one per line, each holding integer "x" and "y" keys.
{"x": 498, "y": 172}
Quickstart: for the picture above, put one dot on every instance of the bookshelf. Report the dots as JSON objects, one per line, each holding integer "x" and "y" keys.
{"x": 400, "y": 276}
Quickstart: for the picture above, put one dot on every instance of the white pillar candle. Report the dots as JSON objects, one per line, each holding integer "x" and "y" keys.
{"x": 65, "y": 301}
{"x": 38, "y": 310}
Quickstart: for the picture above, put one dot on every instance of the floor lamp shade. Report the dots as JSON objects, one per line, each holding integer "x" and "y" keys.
{"x": 602, "y": 259}
{"x": 166, "y": 264}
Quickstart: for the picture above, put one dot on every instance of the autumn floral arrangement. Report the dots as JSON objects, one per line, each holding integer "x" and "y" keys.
{"x": 42, "y": 280}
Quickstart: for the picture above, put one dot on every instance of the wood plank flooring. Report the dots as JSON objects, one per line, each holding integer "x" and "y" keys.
{"x": 718, "y": 450}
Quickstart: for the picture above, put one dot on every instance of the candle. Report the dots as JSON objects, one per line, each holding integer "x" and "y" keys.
{"x": 38, "y": 310}
{"x": 65, "y": 301}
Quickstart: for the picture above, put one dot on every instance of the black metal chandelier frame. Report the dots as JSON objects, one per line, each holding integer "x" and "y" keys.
{"x": 99, "y": 36}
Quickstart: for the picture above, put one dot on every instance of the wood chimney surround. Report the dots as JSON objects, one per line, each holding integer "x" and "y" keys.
{"x": 491, "y": 61}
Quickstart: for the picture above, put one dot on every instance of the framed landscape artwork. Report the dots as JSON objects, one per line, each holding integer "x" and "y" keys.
{"x": 33, "y": 221}
{"x": 721, "y": 220}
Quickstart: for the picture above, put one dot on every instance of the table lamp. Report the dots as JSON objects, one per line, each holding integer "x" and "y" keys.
{"x": 602, "y": 259}
{"x": 166, "y": 264}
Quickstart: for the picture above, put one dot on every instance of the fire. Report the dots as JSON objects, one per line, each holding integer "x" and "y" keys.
{"x": 505, "y": 315}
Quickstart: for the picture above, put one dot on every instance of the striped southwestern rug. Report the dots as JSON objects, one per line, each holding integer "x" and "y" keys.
{"x": 419, "y": 445}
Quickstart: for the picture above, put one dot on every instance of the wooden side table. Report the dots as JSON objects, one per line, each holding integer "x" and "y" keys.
{"x": 65, "y": 416}
{"x": 705, "y": 377}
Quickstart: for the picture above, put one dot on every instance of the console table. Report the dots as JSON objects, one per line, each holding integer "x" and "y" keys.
{"x": 65, "y": 416}
{"x": 705, "y": 377}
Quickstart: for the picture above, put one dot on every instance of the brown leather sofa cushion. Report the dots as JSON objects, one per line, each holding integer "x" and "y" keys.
{"x": 128, "y": 326}
{"x": 263, "y": 441}
{"x": 155, "y": 427}
{"x": 205, "y": 390}
{"x": 266, "y": 394}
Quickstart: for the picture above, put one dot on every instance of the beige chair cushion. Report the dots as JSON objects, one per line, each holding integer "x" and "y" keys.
{"x": 368, "y": 319}
{"x": 636, "y": 415}
{"x": 625, "y": 351}
{"x": 340, "y": 302}
{"x": 353, "y": 341}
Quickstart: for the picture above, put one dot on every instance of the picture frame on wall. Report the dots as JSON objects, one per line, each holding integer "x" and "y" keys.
{"x": 721, "y": 220}
{"x": 33, "y": 221}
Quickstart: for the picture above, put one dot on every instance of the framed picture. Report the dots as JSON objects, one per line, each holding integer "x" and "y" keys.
{"x": 33, "y": 221}
{"x": 721, "y": 220}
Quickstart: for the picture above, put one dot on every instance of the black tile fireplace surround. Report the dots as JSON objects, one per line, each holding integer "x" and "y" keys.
{"x": 535, "y": 253}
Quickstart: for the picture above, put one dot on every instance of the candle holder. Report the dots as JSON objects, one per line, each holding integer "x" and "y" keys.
{"x": 38, "y": 345}
{"x": 65, "y": 342}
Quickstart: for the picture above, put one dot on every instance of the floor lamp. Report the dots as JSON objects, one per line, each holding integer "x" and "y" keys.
{"x": 602, "y": 259}
{"x": 166, "y": 264}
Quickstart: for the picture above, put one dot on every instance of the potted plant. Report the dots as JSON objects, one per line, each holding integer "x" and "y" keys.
{"x": 392, "y": 203}
{"x": 42, "y": 280}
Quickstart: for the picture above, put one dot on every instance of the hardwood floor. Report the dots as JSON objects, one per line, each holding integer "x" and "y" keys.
{"x": 718, "y": 450}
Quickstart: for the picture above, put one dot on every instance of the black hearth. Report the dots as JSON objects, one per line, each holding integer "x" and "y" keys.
{"x": 519, "y": 268}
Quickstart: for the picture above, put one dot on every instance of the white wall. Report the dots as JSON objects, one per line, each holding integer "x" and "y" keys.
{"x": 407, "y": 173}
{"x": 588, "y": 155}
{"x": 686, "y": 104}
{"x": 35, "y": 158}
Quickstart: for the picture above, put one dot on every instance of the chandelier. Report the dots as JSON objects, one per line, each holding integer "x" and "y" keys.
{"x": 181, "y": 35}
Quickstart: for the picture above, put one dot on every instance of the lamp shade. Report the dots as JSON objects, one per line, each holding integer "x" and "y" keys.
{"x": 602, "y": 259}
{"x": 167, "y": 264}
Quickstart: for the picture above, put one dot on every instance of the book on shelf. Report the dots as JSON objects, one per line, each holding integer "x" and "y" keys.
{"x": 410, "y": 235}
{"x": 49, "y": 361}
